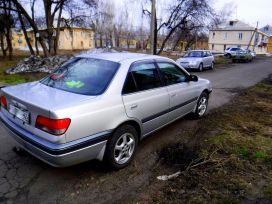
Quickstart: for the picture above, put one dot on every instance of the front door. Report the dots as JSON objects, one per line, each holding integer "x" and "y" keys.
{"x": 183, "y": 94}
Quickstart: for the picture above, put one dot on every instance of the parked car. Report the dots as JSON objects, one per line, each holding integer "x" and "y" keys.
{"x": 98, "y": 106}
{"x": 197, "y": 59}
{"x": 253, "y": 53}
{"x": 231, "y": 51}
{"x": 242, "y": 56}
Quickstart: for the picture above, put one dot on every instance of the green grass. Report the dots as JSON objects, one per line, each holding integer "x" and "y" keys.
{"x": 222, "y": 60}
{"x": 5, "y": 64}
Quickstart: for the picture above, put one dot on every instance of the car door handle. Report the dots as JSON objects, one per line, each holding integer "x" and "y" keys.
{"x": 173, "y": 95}
{"x": 133, "y": 106}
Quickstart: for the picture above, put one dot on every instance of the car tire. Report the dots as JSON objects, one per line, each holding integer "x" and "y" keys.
{"x": 212, "y": 66}
{"x": 201, "y": 106}
{"x": 121, "y": 147}
{"x": 228, "y": 56}
{"x": 200, "y": 67}
{"x": 233, "y": 61}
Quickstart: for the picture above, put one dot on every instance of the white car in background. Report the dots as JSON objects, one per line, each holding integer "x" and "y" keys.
{"x": 232, "y": 51}
{"x": 197, "y": 59}
{"x": 253, "y": 53}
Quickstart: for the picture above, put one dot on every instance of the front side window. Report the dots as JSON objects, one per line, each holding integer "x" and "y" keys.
{"x": 142, "y": 77}
{"x": 172, "y": 74}
{"x": 83, "y": 76}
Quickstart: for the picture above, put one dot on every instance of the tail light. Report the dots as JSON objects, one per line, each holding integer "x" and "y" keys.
{"x": 4, "y": 102}
{"x": 53, "y": 126}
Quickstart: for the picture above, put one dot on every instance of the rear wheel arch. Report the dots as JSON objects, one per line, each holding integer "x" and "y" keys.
{"x": 134, "y": 124}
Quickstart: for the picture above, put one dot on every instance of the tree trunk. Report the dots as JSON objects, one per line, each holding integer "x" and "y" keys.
{"x": 9, "y": 43}
{"x": 35, "y": 34}
{"x": 25, "y": 34}
{"x": 33, "y": 25}
{"x": 101, "y": 40}
{"x": 56, "y": 45}
{"x": 2, "y": 45}
{"x": 177, "y": 42}
{"x": 169, "y": 35}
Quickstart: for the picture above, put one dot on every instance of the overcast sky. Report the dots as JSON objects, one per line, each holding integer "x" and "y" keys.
{"x": 250, "y": 11}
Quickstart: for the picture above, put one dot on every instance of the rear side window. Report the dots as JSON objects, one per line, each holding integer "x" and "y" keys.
{"x": 130, "y": 86}
{"x": 146, "y": 76}
{"x": 142, "y": 77}
{"x": 172, "y": 74}
{"x": 83, "y": 76}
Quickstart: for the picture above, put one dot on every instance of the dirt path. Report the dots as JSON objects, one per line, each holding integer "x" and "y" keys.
{"x": 24, "y": 179}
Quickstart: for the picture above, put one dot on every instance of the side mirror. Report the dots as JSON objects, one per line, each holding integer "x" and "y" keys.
{"x": 193, "y": 78}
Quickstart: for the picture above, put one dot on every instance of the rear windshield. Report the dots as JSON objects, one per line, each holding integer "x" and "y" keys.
{"x": 85, "y": 76}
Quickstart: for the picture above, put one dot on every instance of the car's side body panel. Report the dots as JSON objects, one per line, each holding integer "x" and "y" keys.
{"x": 150, "y": 107}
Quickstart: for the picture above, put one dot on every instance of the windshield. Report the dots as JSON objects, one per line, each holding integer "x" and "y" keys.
{"x": 82, "y": 76}
{"x": 194, "y": 54}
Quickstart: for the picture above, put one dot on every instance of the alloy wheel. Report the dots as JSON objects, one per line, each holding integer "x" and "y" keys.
{"x": 124, "y": 148}
{"x": 202, "y": 106}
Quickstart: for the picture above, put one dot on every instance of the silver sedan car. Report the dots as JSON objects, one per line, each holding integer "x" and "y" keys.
{"x": 197, "y": 59}
{"x": 99, "y": 106}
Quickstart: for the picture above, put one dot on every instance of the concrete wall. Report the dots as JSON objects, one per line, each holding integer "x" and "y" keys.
{"x": 220, "y": 40}
{"x": 269, "y": 45}
{"x": 18, "y": 40}
{"x": 72, "y": 39}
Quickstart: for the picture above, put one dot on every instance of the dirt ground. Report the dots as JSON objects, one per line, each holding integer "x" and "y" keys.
{"x": 226, "y": 159}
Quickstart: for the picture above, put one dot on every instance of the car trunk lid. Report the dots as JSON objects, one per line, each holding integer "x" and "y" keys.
{"x": 37, "y": 99}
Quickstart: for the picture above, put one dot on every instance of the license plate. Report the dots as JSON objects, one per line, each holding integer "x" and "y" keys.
{"x": 19, "y": 113}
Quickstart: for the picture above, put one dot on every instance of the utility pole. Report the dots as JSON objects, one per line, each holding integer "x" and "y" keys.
{"x": 152, "y": 28}
{"x": 255, "y": 30}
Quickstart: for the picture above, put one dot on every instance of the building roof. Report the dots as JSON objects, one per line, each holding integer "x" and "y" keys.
{"x": 234, "y": 25}
{"x": 62, "y": 27}
{"x": 267, "y": 30}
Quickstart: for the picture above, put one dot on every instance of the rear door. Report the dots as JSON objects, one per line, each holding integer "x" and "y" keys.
{"x": 183, "y": 94}
{"x": 144, "y": 96}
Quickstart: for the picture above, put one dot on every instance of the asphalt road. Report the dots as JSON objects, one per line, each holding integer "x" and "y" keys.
{"x": 25, "y": 179}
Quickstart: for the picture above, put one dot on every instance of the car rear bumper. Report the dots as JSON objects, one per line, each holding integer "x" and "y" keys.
{"x": 59, "y": 155}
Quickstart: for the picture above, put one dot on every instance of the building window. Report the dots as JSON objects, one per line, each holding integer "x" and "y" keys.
{"x": 226, "y": 36}
{"x": 212, "y": 46}
{"x": 240, "y": 36}
{"x": 213, "y": 34}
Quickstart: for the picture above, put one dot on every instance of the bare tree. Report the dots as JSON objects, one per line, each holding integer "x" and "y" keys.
{"x": 6, "y": 23}
{"x": 104, "y": 24}
{"x": 223, "y": 15}
{"x": 48, "y": 38}
{"x": 180, "y": 15}
{"x": 22, "y": 21}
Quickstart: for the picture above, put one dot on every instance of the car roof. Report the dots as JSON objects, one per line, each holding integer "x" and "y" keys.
{"x": 121, "y": 56}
